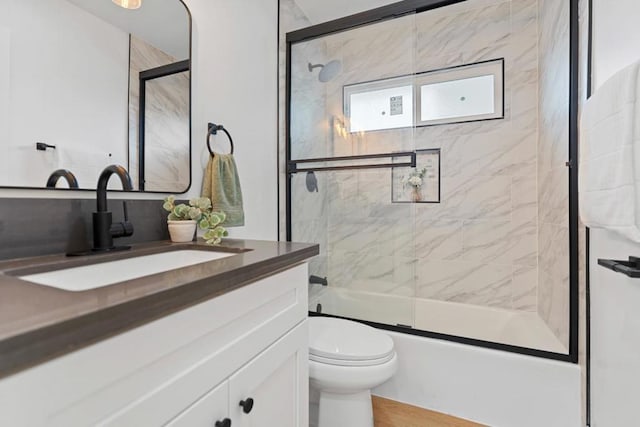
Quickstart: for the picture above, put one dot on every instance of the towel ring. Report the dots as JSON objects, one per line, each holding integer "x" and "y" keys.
{"x": 212, "y": 129}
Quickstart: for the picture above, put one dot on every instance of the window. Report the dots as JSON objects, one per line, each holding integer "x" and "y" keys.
{"x": 453, "y": 95}
{"x": 385, "y": 104}
{"x": 461, "y": 94}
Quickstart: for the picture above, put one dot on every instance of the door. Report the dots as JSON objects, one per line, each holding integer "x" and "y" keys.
{"x": 272, "y": 390}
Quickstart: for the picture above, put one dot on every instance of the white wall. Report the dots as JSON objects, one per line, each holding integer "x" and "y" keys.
{"x": 616, "y": 37}
{"x": 615, "y": 335}
{"x": 615, "y": 319}
{"x": 234, "y": 84}
{"x": 46, "y": 58}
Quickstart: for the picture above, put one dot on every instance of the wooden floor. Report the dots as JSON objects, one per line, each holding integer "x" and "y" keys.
{"x": 389, "y": 413}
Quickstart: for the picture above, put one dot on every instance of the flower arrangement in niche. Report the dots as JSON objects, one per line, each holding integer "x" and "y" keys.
{"x": 414, "y": 181}
{"x": 183, "y": 219}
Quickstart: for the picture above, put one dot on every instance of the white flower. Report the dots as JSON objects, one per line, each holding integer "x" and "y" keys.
{"x": 416, "y": 181}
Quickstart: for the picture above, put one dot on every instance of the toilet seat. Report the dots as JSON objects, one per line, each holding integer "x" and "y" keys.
{"x": 346, "y": 343}
{"x": 339, "y": 362}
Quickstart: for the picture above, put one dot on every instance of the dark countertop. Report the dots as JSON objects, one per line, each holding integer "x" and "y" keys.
{"x": 38, "y": 323}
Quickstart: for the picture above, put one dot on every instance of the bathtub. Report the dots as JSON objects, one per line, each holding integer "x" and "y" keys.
{"x": 491, "y": 387}
{"x": 518, "y": 328}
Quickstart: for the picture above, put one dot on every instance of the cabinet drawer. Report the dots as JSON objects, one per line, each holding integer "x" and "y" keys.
{"x": 213, "y": 407}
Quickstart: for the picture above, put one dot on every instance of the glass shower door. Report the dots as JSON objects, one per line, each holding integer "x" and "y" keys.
{"x": 351, "y": 130}
{"x": 472, "y": 243}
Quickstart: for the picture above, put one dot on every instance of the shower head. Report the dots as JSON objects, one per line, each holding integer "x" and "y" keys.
{"x": 328, "y": 71}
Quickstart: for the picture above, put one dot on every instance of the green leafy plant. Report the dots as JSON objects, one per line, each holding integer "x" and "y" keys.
{"x": 211, "y": 221}
{"x": 193, "y": 211}
{"x": 201, "y": 211}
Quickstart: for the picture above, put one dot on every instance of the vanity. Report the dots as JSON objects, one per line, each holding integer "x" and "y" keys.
{"x": 222, "y": 342}
{"x": 162, "y": 334}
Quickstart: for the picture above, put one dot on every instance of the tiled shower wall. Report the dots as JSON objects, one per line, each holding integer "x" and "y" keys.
{"x": 310, "y": 132}
{"x": 553, "y": 178}
{"x": 479, "y": 245}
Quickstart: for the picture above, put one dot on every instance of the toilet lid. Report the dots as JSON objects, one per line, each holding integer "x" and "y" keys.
{"x": 344, "y": 340}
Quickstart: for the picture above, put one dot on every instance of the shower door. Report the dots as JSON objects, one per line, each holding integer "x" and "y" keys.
{"x": 344, "y": 148}
{"x": 429, "y": 156}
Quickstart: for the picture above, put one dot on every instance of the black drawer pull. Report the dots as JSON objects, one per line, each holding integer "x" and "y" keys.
{"x": 224, "y": 423}
{"x": 247, "y": 405}
{"x": 630, "y": 268}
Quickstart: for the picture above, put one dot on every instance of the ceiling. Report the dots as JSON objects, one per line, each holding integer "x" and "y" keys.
{"x": 319, "y": 11}
{"x": 162, "y": 23}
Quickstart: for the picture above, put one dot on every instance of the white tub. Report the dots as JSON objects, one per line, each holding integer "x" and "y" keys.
{"x": 492, "y": 387}
{"x": 523, "y": 329}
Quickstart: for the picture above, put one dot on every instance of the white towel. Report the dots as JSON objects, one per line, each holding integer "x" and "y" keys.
{"x": 610, "y": 156}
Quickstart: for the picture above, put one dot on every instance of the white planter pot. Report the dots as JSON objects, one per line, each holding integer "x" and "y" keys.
{"x": 182, "y": 231}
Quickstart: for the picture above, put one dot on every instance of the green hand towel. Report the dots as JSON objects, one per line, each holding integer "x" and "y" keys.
{"x": 222, "y": 185}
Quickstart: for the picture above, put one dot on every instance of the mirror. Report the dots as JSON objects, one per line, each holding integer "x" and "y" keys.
{"x": 87, "y": 83}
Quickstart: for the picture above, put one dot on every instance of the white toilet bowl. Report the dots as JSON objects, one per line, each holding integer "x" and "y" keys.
{"x": 346, "y": 360}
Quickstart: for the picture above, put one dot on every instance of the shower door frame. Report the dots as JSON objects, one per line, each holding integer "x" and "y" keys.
{"x": 406, "y": 7}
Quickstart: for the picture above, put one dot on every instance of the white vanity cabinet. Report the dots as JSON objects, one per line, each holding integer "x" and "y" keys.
{"x": 190, "y": 368}
{"x": 265, "y": 392}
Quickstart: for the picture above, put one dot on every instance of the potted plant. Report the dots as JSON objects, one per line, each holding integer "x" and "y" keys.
{"x": 183, "y": 219}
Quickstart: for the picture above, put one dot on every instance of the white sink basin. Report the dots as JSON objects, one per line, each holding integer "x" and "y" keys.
{"x": 108, "y": 273}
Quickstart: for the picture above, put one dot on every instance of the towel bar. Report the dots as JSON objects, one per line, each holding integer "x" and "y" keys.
{"x": 411, "y": 162}
{"x": 630, "y": 268}
{"x": 212, "y": 129}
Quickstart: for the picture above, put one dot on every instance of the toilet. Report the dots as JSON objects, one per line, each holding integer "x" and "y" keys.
{"x": 346, "y": 360}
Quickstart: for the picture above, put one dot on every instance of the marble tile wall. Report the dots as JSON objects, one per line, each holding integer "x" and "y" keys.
{"x": 291, "y": 18}
{"x": 553, "y": 188}
{"x": 167, "y": 131}
{"x": 309, "y": 130}
{"x": 480, "y": 245}
{"x": 167, "y": 134}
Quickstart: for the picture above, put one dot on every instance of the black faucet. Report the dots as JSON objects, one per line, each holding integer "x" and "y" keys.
{"x": 318, "y": 280}
{"x": 104, "y": 230}
{"x": 62, "y": 173}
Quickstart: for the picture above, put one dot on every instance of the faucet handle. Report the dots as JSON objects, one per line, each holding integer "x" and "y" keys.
{"x": 124, "y": 228}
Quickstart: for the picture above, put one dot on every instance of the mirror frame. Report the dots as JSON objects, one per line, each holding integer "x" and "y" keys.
{"x": 93, "y": 190}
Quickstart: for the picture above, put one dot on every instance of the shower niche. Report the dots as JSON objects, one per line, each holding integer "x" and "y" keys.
{"x": 438, "y": 139}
